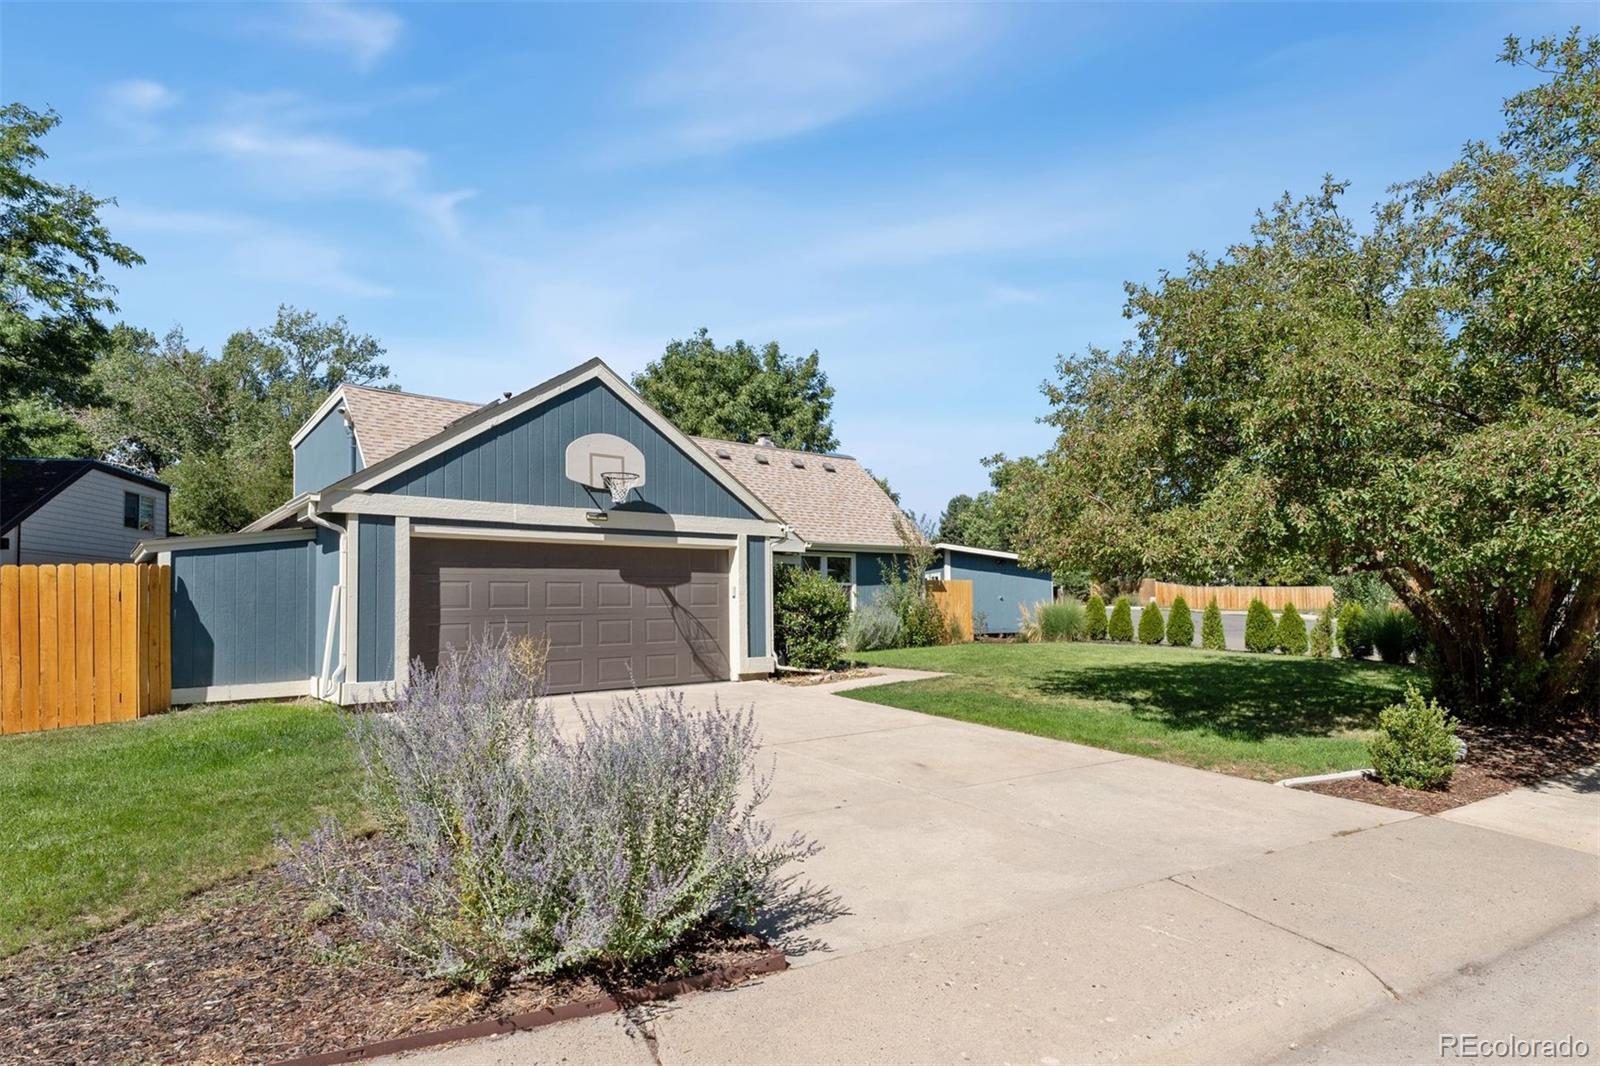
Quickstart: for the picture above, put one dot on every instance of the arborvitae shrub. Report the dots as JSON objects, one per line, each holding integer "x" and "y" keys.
{"x": 1121, "y": 625}
{"x": 1094, "y": 617}
{"x": 1321, "y": 643}
{"x": 1260, "y": 629}
{"x": 1211, "y": 635}
{"x": 1180, "y": 624}
{"x": 1354, "y": 636}
{"x": 1152, "y": 627}
{"x": 1291, "y": 631}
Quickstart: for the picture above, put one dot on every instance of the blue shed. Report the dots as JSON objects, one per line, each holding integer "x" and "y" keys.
{"x": 1000, "y": 585}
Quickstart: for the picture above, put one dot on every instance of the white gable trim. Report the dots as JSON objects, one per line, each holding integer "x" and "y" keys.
{"x": 334, "y": 401}
{"x": 494, "y": 415}
{"x": 963, "y": 549}
{"x": 158, "y": 545}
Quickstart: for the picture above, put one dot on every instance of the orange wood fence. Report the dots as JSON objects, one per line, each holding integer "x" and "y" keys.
{"x": 83, "y": 643}
{"x": 954, "y": 600}
{"x": 1237, "y": 597}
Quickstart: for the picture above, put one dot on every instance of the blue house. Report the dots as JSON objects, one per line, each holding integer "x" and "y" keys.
{"x": 572, "y": 512}
{"x": 1001, "y": 586}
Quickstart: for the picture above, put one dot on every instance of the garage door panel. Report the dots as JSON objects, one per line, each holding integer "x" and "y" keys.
{"x": 614, "y": 616}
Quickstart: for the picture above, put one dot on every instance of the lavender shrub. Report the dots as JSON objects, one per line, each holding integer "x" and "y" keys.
{"x": 507, "y": 848}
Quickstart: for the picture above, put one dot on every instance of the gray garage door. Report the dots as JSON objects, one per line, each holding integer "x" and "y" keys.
{"x": 614, "y": 616}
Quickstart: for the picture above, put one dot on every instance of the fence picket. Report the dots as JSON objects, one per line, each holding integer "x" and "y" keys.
{"x": 82, "y": 644}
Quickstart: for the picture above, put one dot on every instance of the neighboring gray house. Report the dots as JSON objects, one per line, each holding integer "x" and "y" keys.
{"x": 573, "y": 512}
{"x": 1001, "y": 586}
{"x": 76, "y": 511}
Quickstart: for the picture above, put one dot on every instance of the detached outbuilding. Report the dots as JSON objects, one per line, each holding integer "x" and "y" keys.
{"x": 1001, "y": 585}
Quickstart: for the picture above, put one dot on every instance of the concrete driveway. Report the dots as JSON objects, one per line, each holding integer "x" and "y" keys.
{"x": 993, "y": 897}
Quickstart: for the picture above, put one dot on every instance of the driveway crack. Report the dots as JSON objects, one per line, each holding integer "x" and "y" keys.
{"x": 1387, "y": 987}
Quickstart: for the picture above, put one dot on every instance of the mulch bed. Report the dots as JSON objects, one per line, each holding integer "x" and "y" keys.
{"x": 241, "y": 974}
{"x": 826, "y": 678}
{"x": 1499, "y": 759}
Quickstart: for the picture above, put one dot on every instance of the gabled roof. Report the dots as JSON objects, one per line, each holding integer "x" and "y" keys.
{"x": 827, "y": 499}
{"x": 386, "y": 421}
{"x": 28, "y": 484}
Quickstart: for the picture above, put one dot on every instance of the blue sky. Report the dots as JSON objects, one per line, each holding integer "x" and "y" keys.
{"x": 940, "y": 199}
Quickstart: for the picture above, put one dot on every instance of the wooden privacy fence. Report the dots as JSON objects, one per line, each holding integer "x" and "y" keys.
{"x": 1237, "y": 597}
{"x": 83, "y": 643}
{"x": 954, "y": 600}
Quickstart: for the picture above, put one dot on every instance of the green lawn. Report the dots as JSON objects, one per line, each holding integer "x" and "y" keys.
{"x": 106, "y": 823}
{"x": 1261, "y": 716}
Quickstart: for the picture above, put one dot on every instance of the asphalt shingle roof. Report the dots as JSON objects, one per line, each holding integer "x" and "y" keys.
{"x": 387, "y": 421}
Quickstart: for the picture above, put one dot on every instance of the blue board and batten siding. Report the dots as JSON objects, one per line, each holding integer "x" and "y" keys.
{"x": 242, "y": 614}
{"x": 755, "y": 601}
{"x": 374, "y": 598}
{"x": 1000, "y": 589}
{"x": 871, "y": 581}
{"x": 522, "y": 461}
{"x": 325, "y": 455}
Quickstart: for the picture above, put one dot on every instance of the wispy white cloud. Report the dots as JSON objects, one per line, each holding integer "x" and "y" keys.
{"x": 321, "y": 164}
{"x": 140, "y": 97}
{"x": 763, "y": 73}
{"x": 361, "y": 33}
{"x": 252, "y": 248}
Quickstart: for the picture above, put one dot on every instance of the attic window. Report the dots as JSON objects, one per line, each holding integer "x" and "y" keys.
{"x": 829, "y": 467}
{"x": 798, "y": 462}
{"x": 723, "y": 453}
{"x": 763, "y": 460}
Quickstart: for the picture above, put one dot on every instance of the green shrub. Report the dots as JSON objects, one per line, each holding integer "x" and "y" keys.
{"x": 1180, "y": 624}
{"x": 1291, "y": 631}
{"x": 1321, "y": 643}
{"x": 809, "y": 611}
{"x": 1075, "y": 583}
{"x": 1354, "y": 637}
{"x": 1211, "y": 635}
{"x": 1121, "y": 624}
{"x": 871, "y": 628}
{"x": 1152, "y": 627}
{"x": 1094, "y": 617}
{"x": 922, "y": 624}
{"x": 1396, "y": 635}
{"x": 1416, "y": 743}
{"x": 1260, "y": 630}
{"x": 1062, "y": 620}
{"x": 1365, "y": 588}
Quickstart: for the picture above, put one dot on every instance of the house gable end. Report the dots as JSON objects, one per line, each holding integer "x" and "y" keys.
{"x": 520, "y": 460}
{"x": 325, "y": 453}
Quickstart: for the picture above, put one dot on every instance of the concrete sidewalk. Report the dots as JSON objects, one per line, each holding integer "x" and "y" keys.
{"x": 990, "y": 896}
{"x": 1563, "y": 810}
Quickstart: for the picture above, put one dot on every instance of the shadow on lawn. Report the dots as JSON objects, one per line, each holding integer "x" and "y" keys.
{"x": 1240, "y": 697}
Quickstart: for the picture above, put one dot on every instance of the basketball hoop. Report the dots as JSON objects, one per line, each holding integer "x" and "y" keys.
{"x": 618, "y": 483}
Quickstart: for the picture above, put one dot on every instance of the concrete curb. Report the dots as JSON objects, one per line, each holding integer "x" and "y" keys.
{"x": 1342, "y": 775}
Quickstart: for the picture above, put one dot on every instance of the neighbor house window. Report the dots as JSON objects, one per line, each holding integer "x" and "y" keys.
{"x": 139, "y": 511}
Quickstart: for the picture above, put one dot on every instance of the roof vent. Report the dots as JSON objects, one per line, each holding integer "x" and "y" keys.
{"x": 829, "y": 467}
{"x": 723, "y": 453}
{"x": 763, "y": 460}
{"x": 799, "y": 462}
{"x": 764, "y": 441}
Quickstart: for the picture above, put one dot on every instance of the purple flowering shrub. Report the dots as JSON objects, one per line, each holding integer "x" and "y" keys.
{"x": 509, "y": 848}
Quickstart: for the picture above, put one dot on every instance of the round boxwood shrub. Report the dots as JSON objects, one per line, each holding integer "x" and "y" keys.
{"x": 1291, "y": 631}
{"x": 1416, "y": 743}
{"x": 1211, "y": 634}
{"x": 809, "y": 612}
{"x": 1094, "y": 617}
{"x": 1121, "y": 624}
{"x": 1321, "y": 643}
{"x": 1354, "y": 636}
{"x": 1260, "y": 629}
{"x": 1180, "y": 624}
{"x": 1152, "y": 627}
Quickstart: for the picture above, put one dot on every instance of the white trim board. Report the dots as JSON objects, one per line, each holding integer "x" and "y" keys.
{"x": 525, "y": 514}
{"x": 962, "y": 548}
{"x": 160, "y": 545}
{"x": 333, "y": 400}
{"x": 259, "y": 690}
{"x": 621, "y": 538}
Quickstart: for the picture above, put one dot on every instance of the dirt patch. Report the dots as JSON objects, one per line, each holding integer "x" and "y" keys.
{"x": 826, "y": 678}
{"x": 239, "y": 974}
{"x": 1499, "y": 759}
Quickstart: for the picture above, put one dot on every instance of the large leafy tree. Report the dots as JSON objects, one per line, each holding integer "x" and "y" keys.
{"x": 218, "y": 428}
{"x": 992, "y": 518}
{"x": 1418, "y": 398}
{"x": 741, "y": 393}
{"x": 52, "y": 293}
